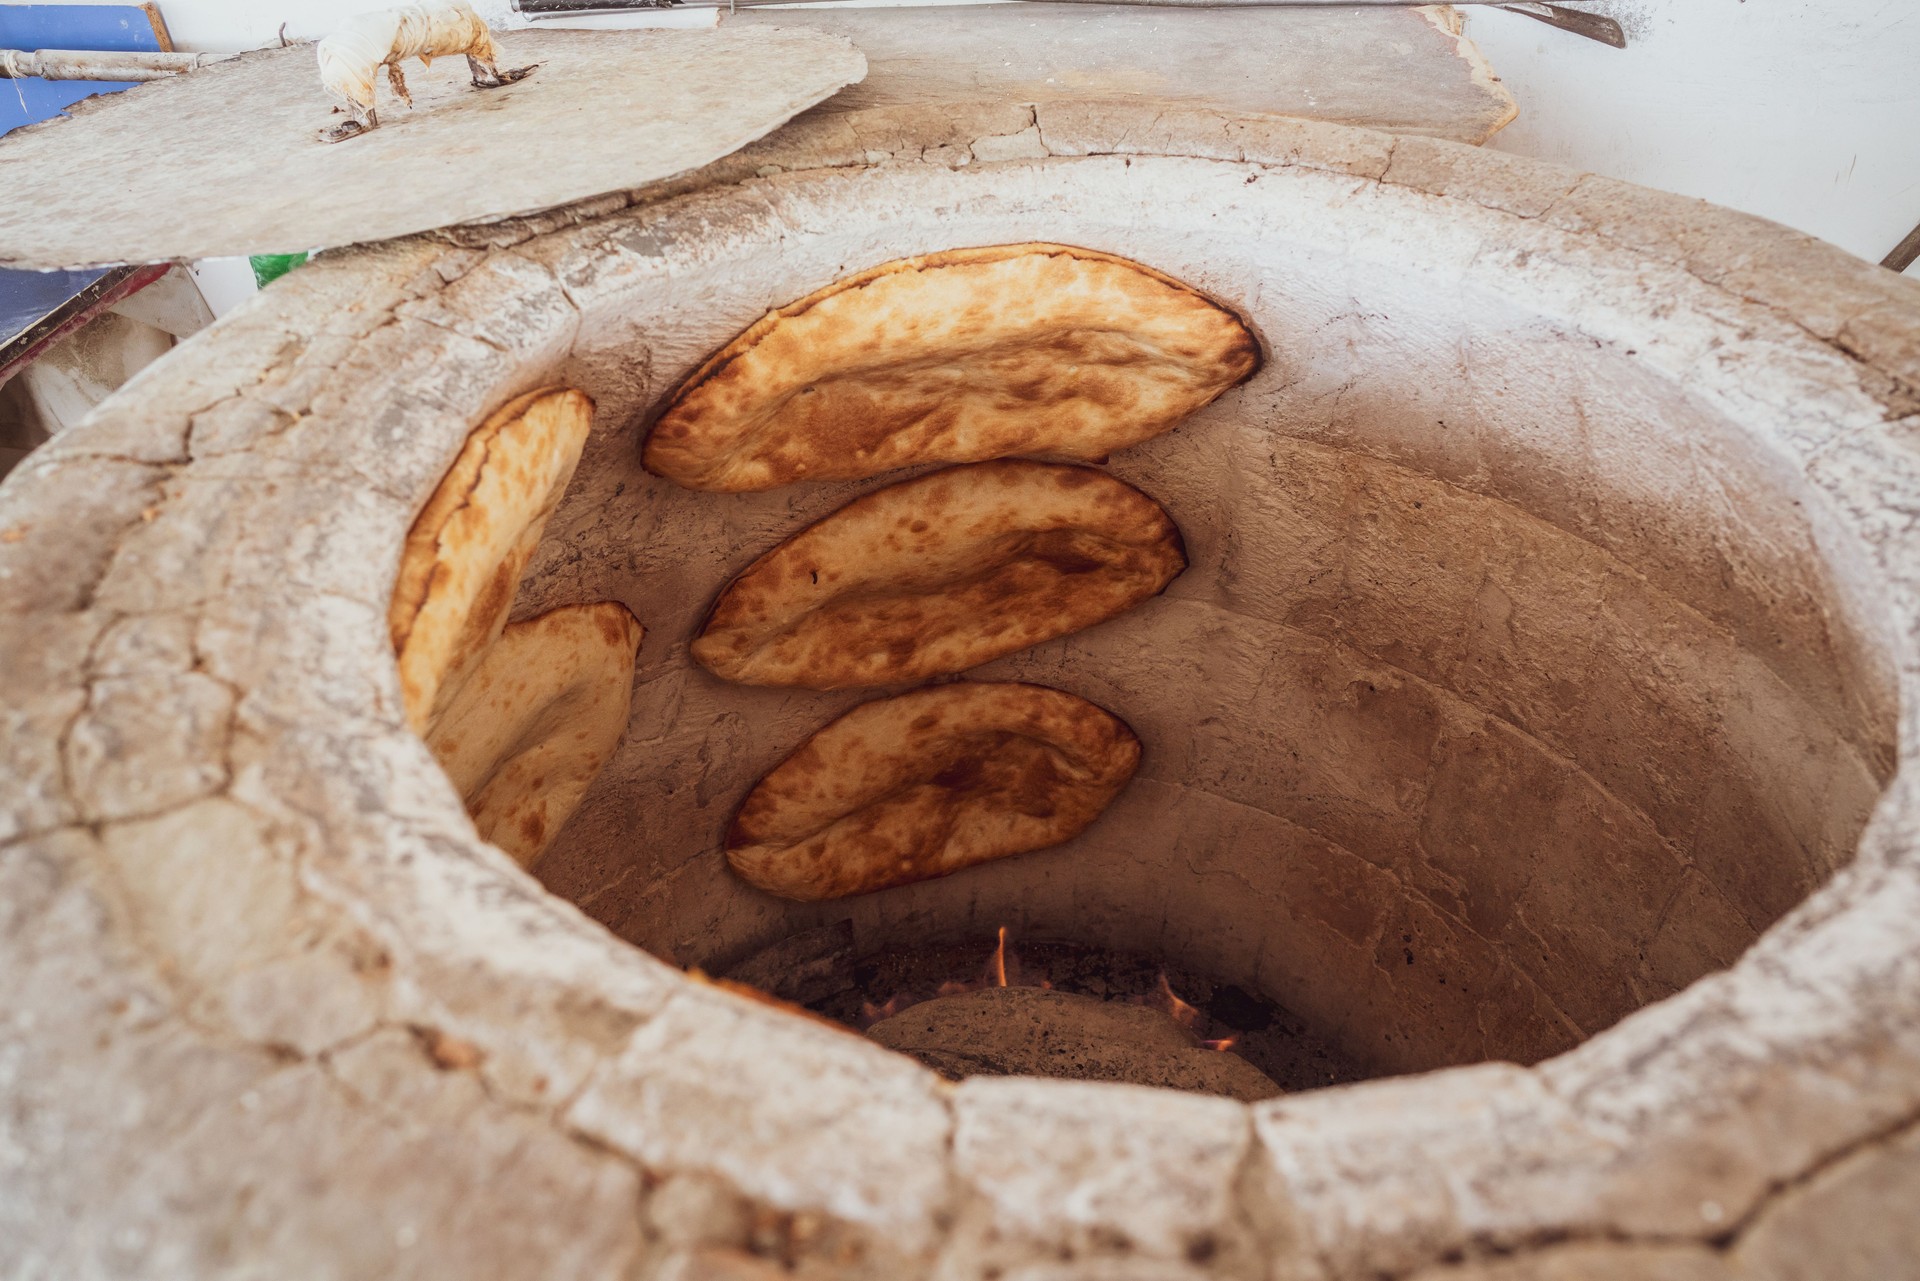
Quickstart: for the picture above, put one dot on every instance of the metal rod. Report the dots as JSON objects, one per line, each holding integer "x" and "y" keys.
{"x": 1591, "y": 25}
{"x": 1905, "y": 254}
{"x": 87, "y": 64}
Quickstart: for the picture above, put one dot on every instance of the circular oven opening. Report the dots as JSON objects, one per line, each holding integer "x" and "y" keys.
{"x": 1679, "y": 508}
{"x": 1479, "y": 719}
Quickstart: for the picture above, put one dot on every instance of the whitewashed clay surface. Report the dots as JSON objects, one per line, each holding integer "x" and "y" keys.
{"x": 268, "y": 1006}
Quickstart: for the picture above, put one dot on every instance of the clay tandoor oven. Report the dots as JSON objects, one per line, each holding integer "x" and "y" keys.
{"x": 1535, "y": 694}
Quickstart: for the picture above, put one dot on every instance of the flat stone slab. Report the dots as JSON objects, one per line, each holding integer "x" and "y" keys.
{"x": 228, "y": 160}
{"x": 1402, "y": 70}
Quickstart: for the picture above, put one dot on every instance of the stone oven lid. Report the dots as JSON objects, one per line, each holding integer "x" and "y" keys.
{"x": 227, "y": 160}
{"x": 1407, "y": 71}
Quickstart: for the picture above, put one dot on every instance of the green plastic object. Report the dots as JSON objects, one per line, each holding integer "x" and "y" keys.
{"x": 268, "y": 268}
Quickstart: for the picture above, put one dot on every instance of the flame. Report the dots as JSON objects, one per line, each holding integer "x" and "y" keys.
{"x": 1189, "y": 1018}
{"x": 1001, "y": 970}
{"x": 872, "y": 1013}
{"x": 1182, "y": 1013}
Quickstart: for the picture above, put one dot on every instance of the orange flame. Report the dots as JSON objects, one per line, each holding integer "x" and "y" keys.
{"x": 874, "y": 1013}
{"x": 1002, "y": 970}
{"x": 1183, "y": 1014}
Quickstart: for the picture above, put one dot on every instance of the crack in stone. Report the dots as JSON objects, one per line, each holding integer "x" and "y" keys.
{"x": 1474, "y": 1249}
{"x": 1246, "y": 1204}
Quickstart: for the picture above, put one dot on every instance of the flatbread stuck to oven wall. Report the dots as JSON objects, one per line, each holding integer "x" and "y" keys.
{"x": 924, "y": 784}
{"x": 961, "y": 356}
{"x": 540, "y": 715}
{"x": 469, "y": 546}
{"x": 941, "y": 573}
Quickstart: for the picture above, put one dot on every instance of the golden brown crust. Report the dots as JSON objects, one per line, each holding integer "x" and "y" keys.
{"x": 924, "y": 784}
{"x": 463, "y": 558}
{"x": 941, "y": 573}
{"x": 961, "y": 356}
{"x": 540, "y": 715}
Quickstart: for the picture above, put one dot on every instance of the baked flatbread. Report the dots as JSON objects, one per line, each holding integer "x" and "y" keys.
{"x": 954, "y": 357}
{"x": 941, "y": 573}
{"x": 467, "y": 549}
{"x": 532, "y": 726}
{"x": 922, "y": 785}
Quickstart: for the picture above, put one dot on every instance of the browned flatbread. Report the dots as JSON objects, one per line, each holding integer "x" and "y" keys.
{"x": 953, "y": 357}
{"x": 467, "y": 549}
{"x": 941, "y": 573}
{"x": 922, "y": 785}
{"x": 535, "y": 722}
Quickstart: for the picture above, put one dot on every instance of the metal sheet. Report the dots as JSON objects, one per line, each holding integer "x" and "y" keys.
{"x": 36, "y": 307}
{"x": 118, "y": 27}
{"x": 87, "y": 295}
{"x": 1394, "y": 69}
{"x": 28, "y": 297}
{"x": 227, "y": 160}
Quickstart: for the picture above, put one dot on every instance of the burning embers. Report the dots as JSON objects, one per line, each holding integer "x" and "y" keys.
{"x": 1052, "y": 1009}
{"x": 1003, "y": 968}
{"x": 1183, "y": 1014}
{"x": 1003, "y": 1022}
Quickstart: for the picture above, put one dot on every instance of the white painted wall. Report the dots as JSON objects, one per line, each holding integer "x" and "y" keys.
{"x": 1804, "y": 111}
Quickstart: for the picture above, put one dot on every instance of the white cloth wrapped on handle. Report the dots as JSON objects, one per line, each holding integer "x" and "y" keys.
{"x": 352, "y": 56}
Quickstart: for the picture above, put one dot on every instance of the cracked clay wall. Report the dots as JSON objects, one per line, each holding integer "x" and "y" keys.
{"x": 270, "y": 1008}
{"x": 1480, "y": 719}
